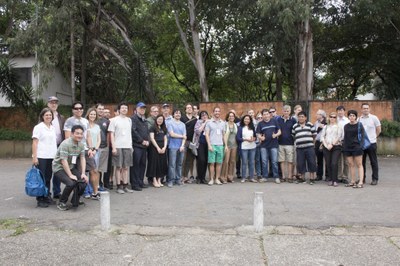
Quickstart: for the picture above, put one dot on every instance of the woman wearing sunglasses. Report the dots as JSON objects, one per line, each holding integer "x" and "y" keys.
{"x": 331, "y": 139}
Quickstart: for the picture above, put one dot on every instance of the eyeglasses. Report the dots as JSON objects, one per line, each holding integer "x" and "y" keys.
{"x": 78, "y": 108}
{"x": 332, "y": 116}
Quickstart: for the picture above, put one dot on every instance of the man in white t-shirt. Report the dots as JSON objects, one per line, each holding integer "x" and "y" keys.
{"x": 372, "y": 126}
{"x": 343, "y": 167}
{"x": 121, "y": 143}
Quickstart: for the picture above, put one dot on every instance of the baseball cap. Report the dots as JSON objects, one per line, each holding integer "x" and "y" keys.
{"x": 52, "y": 98}
{"x": 140, "y": 105}
{"x": 165, "y": 105}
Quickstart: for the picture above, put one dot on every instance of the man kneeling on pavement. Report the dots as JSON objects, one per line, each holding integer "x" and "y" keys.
{"x": 66, "y": 166}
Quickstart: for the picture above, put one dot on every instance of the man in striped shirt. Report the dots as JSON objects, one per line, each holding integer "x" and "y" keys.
{"x": 303, "y": 137}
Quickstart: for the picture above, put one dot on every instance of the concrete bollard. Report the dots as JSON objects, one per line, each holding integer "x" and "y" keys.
{"x": 258, "y": 212}
{"x": 105, "y": 210}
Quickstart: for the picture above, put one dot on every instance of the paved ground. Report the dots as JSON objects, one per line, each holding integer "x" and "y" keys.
{"x": 203, "y": 225}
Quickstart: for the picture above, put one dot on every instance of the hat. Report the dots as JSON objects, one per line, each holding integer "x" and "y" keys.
{"x": 140, "y": 105}
{"x": 52, "y": 98}
{"x": 165, "y": 105}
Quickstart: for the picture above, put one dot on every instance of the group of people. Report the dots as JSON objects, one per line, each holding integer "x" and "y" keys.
{"x": 170, "y": 148}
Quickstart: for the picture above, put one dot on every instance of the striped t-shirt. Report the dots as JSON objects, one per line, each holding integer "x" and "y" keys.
{"x": 303, "y": 135}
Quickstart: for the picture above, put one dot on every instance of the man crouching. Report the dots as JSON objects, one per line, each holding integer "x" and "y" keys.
{"x": 65, "y": 166}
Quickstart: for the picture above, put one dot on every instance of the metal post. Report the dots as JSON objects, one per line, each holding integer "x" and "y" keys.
{"x": 258, "y": 212}
{"x": 105, "y": 210}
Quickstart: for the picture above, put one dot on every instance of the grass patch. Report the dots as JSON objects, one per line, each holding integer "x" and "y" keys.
{"x": 19, "y": 226}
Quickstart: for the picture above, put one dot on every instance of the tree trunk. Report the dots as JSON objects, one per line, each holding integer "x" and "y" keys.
{"x": 198, "y": 52}
{"x": 278, "y": 80}
{"x": 305, "y": 66}
{"x": 72, "y": 62}
{"x": 83, "y": 67}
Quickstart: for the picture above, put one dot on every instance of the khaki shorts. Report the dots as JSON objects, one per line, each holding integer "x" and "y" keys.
{"x": 103, "y": 159}
{"x": 123, "y": 158}
{"x": 286, "y": 153}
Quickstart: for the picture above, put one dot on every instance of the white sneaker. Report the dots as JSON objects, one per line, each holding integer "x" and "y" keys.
{"x": 218, "y": 182}
{"x": 277, "y": 181}
{"x": 211, "y": 182}
{"x": 128, "y": 190}
{"x": 120, "y": 191}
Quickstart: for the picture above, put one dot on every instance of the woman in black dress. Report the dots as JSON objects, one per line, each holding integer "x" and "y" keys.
{"x": 352, "y": 149}
{"x": 202, "y": 150}
{"x": 157, "y": 166}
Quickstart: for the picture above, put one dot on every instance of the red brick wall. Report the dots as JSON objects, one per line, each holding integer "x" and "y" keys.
{"x": 241, "y": 108}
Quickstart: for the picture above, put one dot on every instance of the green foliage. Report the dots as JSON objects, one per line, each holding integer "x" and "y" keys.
{"x": 390, "y": 128}
{"x": 9, "y": 134}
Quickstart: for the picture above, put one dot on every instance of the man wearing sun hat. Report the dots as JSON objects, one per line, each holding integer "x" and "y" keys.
{"x": 58, "y": 124}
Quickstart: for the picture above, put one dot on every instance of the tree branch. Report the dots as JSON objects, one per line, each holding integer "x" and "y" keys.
{"x": 112, "y": 51}
{"x": 184, "y": 39}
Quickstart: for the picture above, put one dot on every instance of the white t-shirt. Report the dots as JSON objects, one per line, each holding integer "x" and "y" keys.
{"x": 370, "y": 123}
{"x": 72, "y": 121}
{"x": 246, "y": 134}
{"x": 47, "y": 144}
{"x": 121, "y": 127}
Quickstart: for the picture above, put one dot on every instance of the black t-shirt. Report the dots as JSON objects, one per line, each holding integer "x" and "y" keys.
{"x": 350, "y": 141}
{"x": 103, "y": 123}
{"x": 158, "y": 136}
{"x": 189, "y": 123}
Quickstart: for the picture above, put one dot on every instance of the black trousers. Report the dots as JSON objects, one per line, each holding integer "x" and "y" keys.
{"x": 69, "y": 183}
{"x": 373, "y": 158}
{"x": 137, "y": 171}
{"x": 320, "y": 161}
{"x": 202, "y": 161}
{"x": 46, "y": 170}
{"x": 331, "y": 161}
{"x": 106, "y": 175}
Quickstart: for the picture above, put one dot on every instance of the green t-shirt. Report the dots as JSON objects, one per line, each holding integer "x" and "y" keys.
{"x": 70, "y": 152}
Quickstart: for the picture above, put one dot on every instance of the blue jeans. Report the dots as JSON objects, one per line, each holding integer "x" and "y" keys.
{"x": 266, "y": 155}
{"x": 175, "y": 160}
{"x": 248, "y": 157}
{"x": 258, "y": 161}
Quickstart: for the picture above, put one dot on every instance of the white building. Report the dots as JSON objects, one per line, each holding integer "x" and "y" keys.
{"x": 57, "y": 85}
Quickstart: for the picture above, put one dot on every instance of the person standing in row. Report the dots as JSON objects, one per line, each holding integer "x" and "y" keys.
{"x": 331, "y": 138}
{"x": 44, "y": 149}
{"x": 121, "y": 142}
{"x": 202, "y": 151}
{"x": 229, "y": 164}
{"x": 93, "y": 142}
{"x": 318, "y": 127}
{"x": 214, "y": 132}
{"x": 343, "y": 167}
{"x": 190, "y": 121}
{"x": 352, "y": 149}
{"x": 372, "y": 126}
{"x": 303, "y": 133}
{"x": 157, "y": 166}
{"x": 140, "y": 142}
{"x": 58, "y": 124}
{"x": 246, "y": 138}
{"x": 176, "y": 148}
{"x": 103, "y": 151}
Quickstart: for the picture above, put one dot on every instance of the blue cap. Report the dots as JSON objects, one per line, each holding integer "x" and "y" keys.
{"x": 140, "y": 105}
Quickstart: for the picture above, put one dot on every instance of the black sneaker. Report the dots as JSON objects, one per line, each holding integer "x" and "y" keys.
{"x": 57, "y": 196}
{"x": 50, "y": 201}
{"x": 42, "y": 204}
{"x": 95, "y": 196}
{"x": 62, "y": 206}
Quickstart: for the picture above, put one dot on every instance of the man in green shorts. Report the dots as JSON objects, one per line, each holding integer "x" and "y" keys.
{"x": 214, "y": 132}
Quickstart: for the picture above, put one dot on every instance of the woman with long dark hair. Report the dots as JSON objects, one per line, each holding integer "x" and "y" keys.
{"x": 157, "y": 166}
{"x": 246, "y": 138}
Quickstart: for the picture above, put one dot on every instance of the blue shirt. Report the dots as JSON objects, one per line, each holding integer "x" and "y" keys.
{"x": 286, "y": 125}
{"x": 267, "y": 129}
{"x": 178, "y": 128}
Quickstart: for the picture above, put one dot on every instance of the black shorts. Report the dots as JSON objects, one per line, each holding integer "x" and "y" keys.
{"x": 353, "y": 153}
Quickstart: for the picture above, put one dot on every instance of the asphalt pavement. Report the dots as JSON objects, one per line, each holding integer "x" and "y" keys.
{"x": 208, "y": 225}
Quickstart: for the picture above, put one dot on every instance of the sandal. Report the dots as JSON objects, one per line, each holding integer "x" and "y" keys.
{"x": 350, "y": 185}
{"x": 360, "y": 185}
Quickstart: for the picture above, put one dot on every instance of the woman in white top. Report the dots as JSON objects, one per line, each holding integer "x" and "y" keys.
{"x": 93, "y": 140}
{"x": 44, "y": 149}
{"x": 331, "y": 139}
{"x": 246, "y": 138}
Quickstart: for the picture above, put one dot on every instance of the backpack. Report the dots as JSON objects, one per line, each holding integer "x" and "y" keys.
{"x": 363, "y": 137}
{"x": 79, "y": 188}
{"x": 34, "y": 183}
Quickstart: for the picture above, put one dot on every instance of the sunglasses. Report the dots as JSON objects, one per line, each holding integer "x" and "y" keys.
{"x": 272, "y": 112}
{"x": 332, "y": 116}
{"x": 78, "y": 108}
{"x": 259, "y": 117}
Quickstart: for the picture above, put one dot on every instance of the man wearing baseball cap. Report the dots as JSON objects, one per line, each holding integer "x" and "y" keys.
{"x": 58, "y": 124}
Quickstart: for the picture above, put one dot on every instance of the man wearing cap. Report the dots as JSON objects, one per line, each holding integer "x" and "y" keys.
{"x": 166, "y": 111}
{"x": 58, "y": 124}
{"x": 140, "y": 143}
